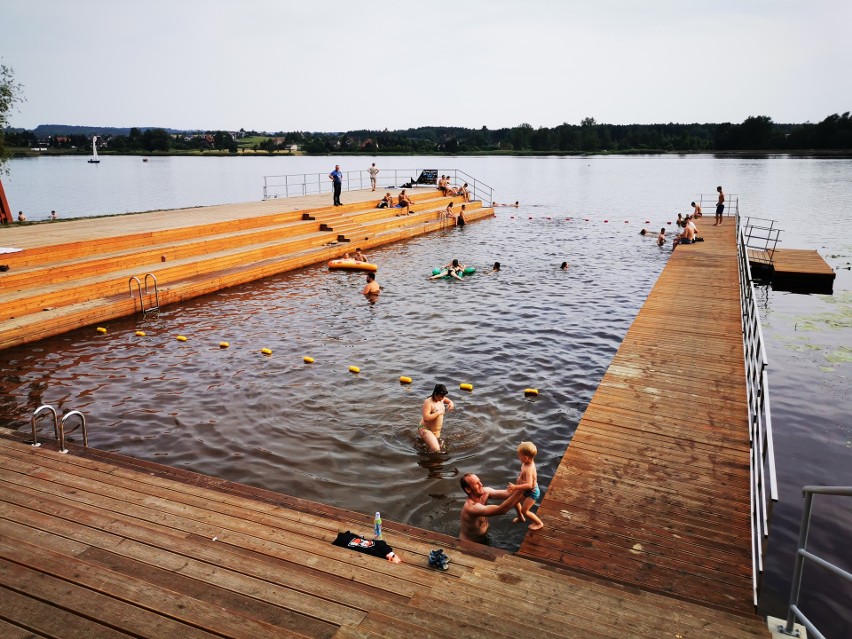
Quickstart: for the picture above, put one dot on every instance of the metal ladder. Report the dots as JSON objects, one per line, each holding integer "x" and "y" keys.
{"x": 59, "y": 426}
{"x": 144, "y": 310}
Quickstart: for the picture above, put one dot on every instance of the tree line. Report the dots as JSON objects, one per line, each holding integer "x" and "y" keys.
{"x": 755, "y": 133}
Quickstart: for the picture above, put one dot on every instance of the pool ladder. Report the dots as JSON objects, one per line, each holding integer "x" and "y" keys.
{"x": 59, "y": 426}
{"x": 156, "y": 306}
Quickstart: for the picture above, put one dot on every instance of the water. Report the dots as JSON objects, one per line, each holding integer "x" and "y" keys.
{"x": 322, "y": 433}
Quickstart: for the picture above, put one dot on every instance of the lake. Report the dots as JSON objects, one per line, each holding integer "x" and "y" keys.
{"x": 321, "y": 433}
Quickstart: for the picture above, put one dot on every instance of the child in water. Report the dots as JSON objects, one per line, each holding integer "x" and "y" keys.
{"x": 527, "y": 482}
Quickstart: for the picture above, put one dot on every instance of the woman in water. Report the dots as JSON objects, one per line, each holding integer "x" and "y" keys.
{"x": 432, "y": 418}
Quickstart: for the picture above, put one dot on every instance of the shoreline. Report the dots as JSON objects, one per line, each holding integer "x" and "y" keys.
{"x": 804, "y": 153}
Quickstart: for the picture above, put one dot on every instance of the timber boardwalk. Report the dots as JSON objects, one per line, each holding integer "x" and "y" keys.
{"x": 646, "y": 521}
{"x": 653, "y": 490}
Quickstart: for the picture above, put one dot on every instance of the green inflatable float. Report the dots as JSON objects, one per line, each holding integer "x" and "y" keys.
{"x": 469, "y": 270}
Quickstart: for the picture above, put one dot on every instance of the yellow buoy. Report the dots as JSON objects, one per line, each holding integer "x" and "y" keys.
{"x": 531, "y": 391}
{"x": 266, "y": 351}
{"x": 224, "y": 344}
{"x": 354, "y": 369}
{"x": 181, "y": 338}
{"x": 404, "y": 380}
{"x": 140, "y": 333}
{"x": 308, "y": 360}
{"x": 468, "y": 387}
{"x": 101, "y": 329}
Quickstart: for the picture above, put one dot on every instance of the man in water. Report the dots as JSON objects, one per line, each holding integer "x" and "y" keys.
{"x": 476, "y": 511}
{"x": 372, "y": 290}
{"x": 359, "y": 256}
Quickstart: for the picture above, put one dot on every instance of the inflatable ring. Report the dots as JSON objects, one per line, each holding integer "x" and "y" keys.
{"x": 352, "y": 265}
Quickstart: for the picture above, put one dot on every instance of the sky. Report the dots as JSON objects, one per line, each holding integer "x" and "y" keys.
{"x": 282, "y": 65}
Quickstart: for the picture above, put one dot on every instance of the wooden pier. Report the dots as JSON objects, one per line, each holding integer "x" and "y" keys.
{"x": 95, "y": 544}
{"x": 795, "y": 270}
{"x": 646, "y": 520}
{"x": 79, "y": 272}
{"x": 653, "y": 491}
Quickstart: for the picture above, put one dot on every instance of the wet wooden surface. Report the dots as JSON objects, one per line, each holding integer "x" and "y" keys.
{"x": 653, "y": 490}
{"x": 94, "y": 544}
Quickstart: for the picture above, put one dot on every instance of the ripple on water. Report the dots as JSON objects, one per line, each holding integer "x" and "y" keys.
{"x": 322, "y": 433}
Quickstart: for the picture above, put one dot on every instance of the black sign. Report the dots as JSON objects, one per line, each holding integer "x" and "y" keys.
{"x": 428, "y": 176}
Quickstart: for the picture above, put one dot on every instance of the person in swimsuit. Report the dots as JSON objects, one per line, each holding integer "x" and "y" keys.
{"x": 453, "y": 269}
{"x": 720, "y": 206}
{"x": 527, "y": 483}
{"x": 461, "y": 221}
{"x": 432, "y": 419}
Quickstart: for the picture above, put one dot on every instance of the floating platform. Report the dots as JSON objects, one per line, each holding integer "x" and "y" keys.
{"x": 796, "y": 270}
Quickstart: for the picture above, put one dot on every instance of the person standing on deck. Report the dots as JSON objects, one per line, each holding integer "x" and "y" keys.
{"x": 336, "y": 178}
{"x": 373, "y": 173}
{"x": 720, "y": 206}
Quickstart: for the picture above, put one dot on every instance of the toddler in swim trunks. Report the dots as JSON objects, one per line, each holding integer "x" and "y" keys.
{"x": 527, "y": 482}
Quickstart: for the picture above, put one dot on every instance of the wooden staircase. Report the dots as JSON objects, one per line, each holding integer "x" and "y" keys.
{"x": 59, "y": 286}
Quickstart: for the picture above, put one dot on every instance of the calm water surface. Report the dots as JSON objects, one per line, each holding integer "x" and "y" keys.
{"x": 321, "y": 433}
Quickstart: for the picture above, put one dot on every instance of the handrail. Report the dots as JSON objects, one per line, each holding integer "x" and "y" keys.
{"x": 793, "y": 612}
{"x": 755, "y": 239}
{"x": 73, "y": 413}
{"x": 764, "y": 484}
{"x": 139, "y": 289}
{"x": 38, "y": 411}
{"x": 275, "y": 186}
{"x": 59, "y": 426}
{"x": 156, "y": 306}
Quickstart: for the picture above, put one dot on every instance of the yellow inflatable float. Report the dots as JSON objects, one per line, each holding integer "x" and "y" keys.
{"x": 352, "y": 265}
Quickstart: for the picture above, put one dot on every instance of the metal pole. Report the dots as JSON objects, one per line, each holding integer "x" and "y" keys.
{"x": 798, "y": 567}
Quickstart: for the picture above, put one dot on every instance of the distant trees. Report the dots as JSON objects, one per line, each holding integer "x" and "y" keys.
{"x": 10, "y": 94}
{"x": 756, "y": 133}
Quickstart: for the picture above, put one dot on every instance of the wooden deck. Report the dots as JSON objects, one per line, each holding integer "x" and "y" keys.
{"x": 95, "y": 544}
{"x": 76, "y": 273}
{"x": 795, "y": 269}
{"x": 653, "y": 490}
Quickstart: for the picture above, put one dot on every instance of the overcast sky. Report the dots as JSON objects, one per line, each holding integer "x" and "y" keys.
{"x": 331, "y": 66}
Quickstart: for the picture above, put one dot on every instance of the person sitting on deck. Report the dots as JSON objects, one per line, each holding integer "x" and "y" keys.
{"x": 386, "y": 202}
{"x": 687, "y": 237}
{"x": 448, "y": 213}
{"x": 697, "y": 209}
{"x": 464, "y": 192}
{"x": 21, "y": 217}
{"x": 404, "y": 202}
{"x": 442, "y": 184}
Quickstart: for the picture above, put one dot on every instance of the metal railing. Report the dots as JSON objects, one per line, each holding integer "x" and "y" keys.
{"x": 763, "y": 484}
{"x": 150, "y": 309}
{"x": 802, "y": 553}
{"x": 732, "y": 204}
{"x": 59, "y": 426}
{"x": 762, "y": 236}
{"x": 275, "y": 186}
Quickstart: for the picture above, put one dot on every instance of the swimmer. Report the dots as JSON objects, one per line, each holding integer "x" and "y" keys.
{"x": 453, "y": 269}
{"x": 371, "y": 290}
{"x": 564, "y": 266}
{"x": 432, "y": 417}
{"x": 359, "y": 256}
{"x": 496, "y": 267}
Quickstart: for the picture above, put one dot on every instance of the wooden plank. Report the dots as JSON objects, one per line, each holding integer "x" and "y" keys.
{"x": 654, "y": 490}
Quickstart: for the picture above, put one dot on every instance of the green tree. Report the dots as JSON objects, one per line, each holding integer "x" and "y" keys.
{"x": 10, "y": 94}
